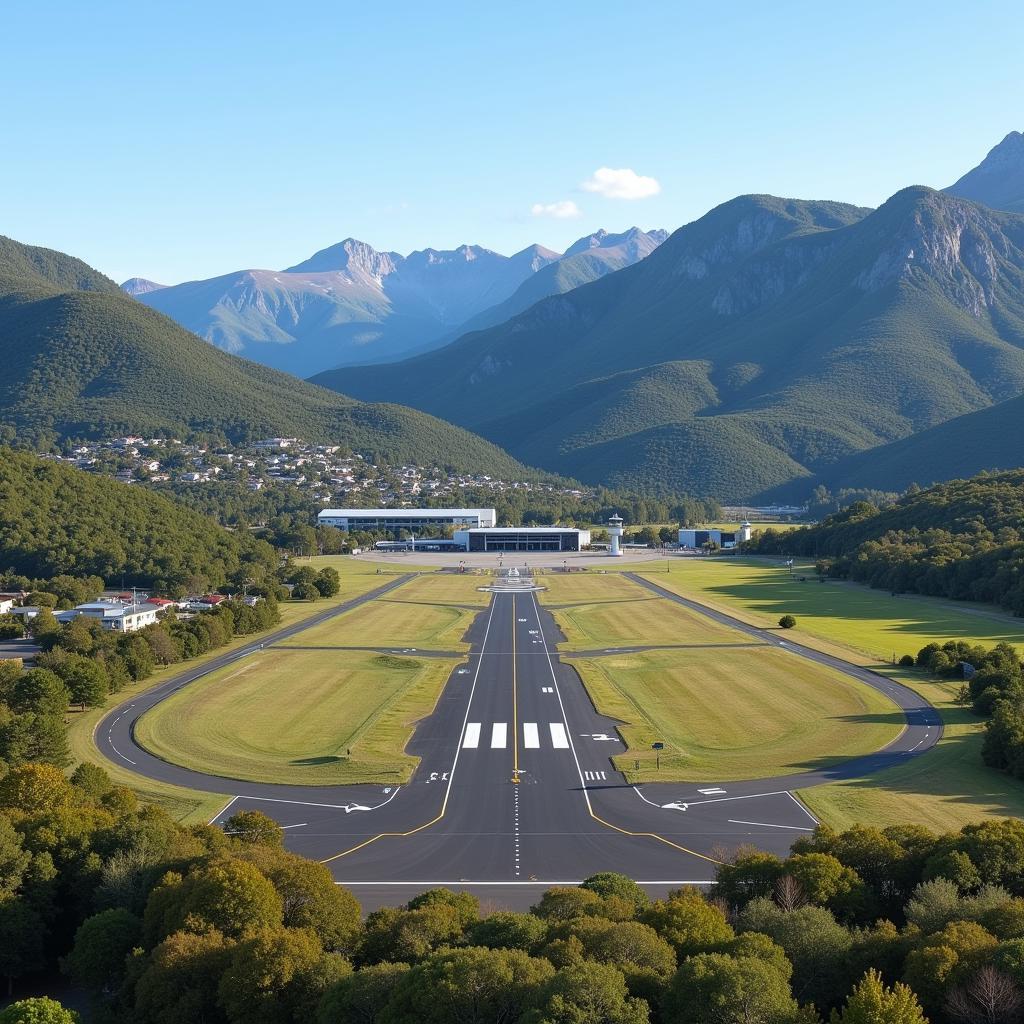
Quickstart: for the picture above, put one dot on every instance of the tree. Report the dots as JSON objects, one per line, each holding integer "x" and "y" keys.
{"x": 824, "y": 880}
{"x": 363, "y": 996}
{"x": 562, "y": 903}
{"x": 85, "y": 679}
{"x": 38, "y": 1011}
{"x": 277, "y": 976}
{"x": 716, "y": 987}
{"x": 39, "y": 691}
{"x": 92, "y": 780}
{"x": 588, "y": 993}
{"x": 471, "y": 984}
{"x": 254, "y": 827}
{"x": 871, "y": 1002}
{"x": 35, "y": 787}
{"x": 102, "y": 944}
{"x": 688, "y": 922}
{"x": 749, "y": 875}
{"x": 814, "y": 943}
{"x": 505, "y": 929}
{"x": 408, "y": 935}
{"x": 989, "y": 996}
{"x": 227, "y": 894}
{"x": 310, "y": 897}
{"x": 14, "y": 859}
{"x": 22, "y": 937}
{"x": 787, "y": 621}
{"x": 610, "y": 883}
{"x": 179, "y": 984}
{"x": 328, "y": 582}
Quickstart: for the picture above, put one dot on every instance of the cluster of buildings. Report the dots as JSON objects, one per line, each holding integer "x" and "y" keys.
{"x": 324, "y": 472}
{"x": 472, "y": 529}
{"x": 121, "y": 613}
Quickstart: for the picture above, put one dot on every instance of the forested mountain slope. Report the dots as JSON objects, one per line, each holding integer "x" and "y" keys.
{"x": 60, "y": 520}
{"x": 961, "y": 539}
{"x": 794, "y": 333}
{"x": 81, "y": 359}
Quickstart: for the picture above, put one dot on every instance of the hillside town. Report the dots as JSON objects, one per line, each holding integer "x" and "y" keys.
{"x": 321, "y": 472}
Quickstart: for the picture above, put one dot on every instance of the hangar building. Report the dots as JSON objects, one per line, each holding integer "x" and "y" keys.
{"x": 523, "y": 538}
{"x": 723, "y": 538}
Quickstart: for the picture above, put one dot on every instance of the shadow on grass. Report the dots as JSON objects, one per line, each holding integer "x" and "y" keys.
{"x": 776, "y": 595}
{"x": 316, "y": 761}
{"x": 953, "y": 772}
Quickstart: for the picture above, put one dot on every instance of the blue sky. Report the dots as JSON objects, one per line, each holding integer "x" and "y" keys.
{"x": 187, "y": 140}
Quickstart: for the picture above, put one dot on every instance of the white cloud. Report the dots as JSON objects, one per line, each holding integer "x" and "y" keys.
{"x": 621, "y": 183}
{"x": 564, "y": 209}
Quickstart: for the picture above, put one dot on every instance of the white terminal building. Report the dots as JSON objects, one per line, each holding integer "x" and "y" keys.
{"x": 411, "y": 519}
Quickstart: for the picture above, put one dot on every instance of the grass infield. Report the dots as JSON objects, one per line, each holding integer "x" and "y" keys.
{"x": 734, "y": 713}
{"x": 300, "y": 717}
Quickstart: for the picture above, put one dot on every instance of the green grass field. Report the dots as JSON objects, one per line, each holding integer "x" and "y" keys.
{"x": 948, "y": 787}
{"x": 300, "y": 717}
{"x": 610, "y": 611}
{"x": 734, "y": 713}
{"x": 392, "y": 621}
{"x": 871, "y": 622}
{"x": 191, "y": 806}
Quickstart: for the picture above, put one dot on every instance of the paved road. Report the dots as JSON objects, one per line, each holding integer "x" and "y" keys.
{"x": 513, "y": 711}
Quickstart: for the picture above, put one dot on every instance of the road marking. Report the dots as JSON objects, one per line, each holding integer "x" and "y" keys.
{"x": 347, "y": 808}
{"x": 222, "y": 810}
{"x": 559, "y": 739}
{"x": 713, "y": 791}
{"x": 546, "y": 689}
{"x": 472, "y": 735}
{"x": 768, "y": 824}
{"x": 579, "y": 770}
{"x": 455, "y": 760}
{"x": 499, "y": 734}
{"x": 515, "y": 700}
{"x": 595, "y": 776}
{"x": 531, "y": 738}
{"x": 471, "y": 884}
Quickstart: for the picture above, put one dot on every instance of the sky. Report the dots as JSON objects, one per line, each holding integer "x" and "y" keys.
{"x": 186, "y": 140}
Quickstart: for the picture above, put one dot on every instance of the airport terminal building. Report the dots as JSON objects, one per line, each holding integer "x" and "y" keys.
{"x": 412, "y": 519}
{"x": 522, "y": 538}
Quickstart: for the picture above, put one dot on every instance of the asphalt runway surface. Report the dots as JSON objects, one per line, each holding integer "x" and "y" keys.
{"x": 515, "y": 791}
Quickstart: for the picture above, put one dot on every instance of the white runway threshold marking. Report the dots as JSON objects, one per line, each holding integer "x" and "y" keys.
{"x": 559, "y": 739}
{"x": 472, "y": 735}
{"x": 499, "y": 734}
{"x": 531, "y": 737}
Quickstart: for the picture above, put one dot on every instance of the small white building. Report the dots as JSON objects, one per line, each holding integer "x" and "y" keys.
{"x": 6, "y": 604}
{"x": 123, "y": 618}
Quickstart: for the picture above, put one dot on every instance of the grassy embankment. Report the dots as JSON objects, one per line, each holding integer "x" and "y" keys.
{"x": 317, "y": 709}
{"x": 945, "y": 789}
{"x": 725, "y": 706}
{"x": 187, "y": 805}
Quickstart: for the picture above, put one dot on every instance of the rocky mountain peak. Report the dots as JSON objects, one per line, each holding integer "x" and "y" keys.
{"x": 350, "y": 255}
{"x": 140, "y": 286}
{"x": 998, "y": 181}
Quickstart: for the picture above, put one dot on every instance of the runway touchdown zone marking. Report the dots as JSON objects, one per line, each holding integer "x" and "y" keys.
{"x": 472, "y": 735}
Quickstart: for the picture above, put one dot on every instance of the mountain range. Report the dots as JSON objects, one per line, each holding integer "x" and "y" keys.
{"x": 82, "y": 359}
{"x": 350, "y": 303}
{"x": 763, "y": 344}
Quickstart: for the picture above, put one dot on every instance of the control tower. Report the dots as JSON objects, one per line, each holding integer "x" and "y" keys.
{"x": 615, "y": 533}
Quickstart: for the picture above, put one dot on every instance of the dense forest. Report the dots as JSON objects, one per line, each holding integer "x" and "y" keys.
{"x": 60, "y": 520}
{"x": 963, "y": 539}
{"x": 163, "y": 924}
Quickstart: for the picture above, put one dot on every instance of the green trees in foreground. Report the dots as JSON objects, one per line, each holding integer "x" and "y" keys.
{"x": 163, "y": 924}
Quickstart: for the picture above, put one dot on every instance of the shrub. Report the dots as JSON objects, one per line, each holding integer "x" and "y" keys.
{"x": 787, "y": 622}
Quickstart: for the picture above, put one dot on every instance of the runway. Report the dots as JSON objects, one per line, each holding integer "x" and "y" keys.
{"x": 515, "y": 791}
